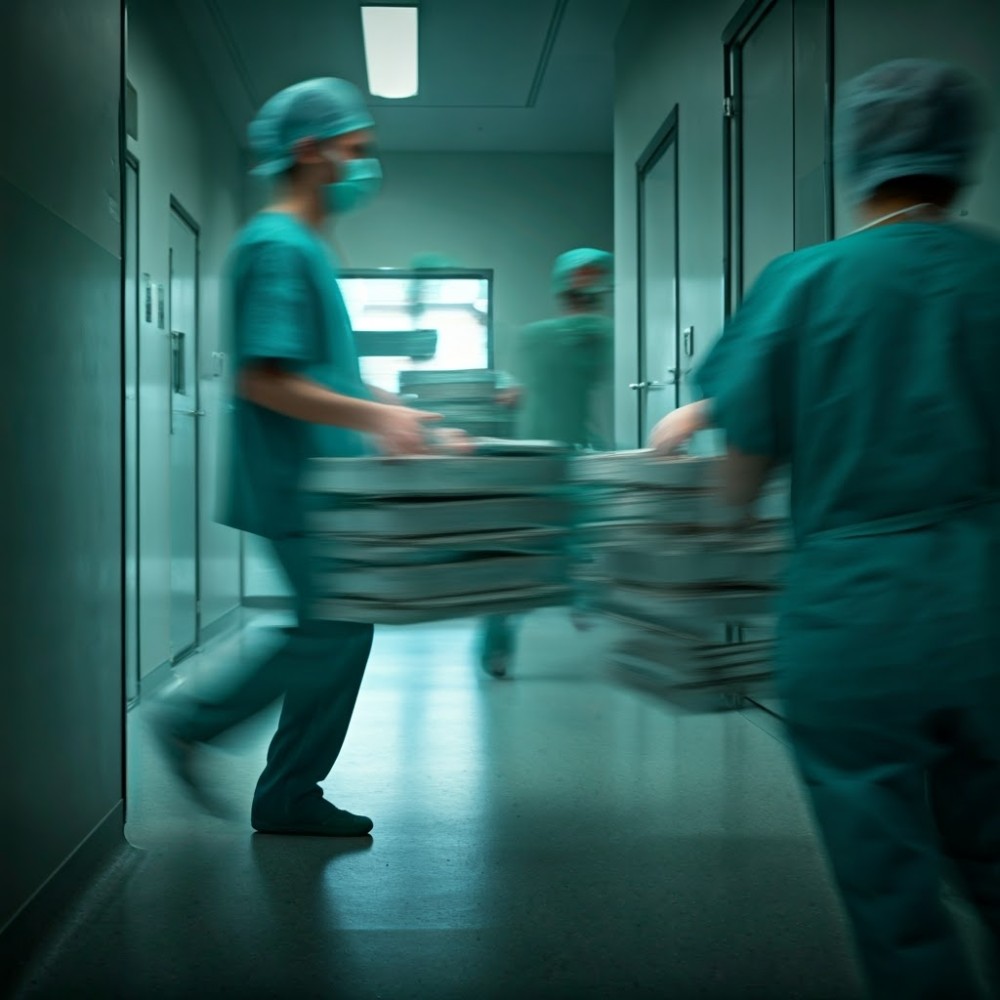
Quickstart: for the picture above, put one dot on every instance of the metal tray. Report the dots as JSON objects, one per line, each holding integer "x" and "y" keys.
{"x": 702, "y": 663}
{"x": 692, "y": 610}
{"x": 691, "y": 673}
{"x": 476, "y": 427}
{"x": 631, "y": 470}
{"x": 417, "y": 612}
{"x": 432, "y": 551}
{"x": 469, "y": 579}
{"x": 643, "y": 468}
{"x": 418, "y": 345}
{"x": 698, "y": 635}
{"x": 654, "y": 537}
{"x": 473, "y": 408}
{"x": 692, "y": 697}
{"x": 690, "y": 509}
{"x": 440, "y": 519}
{"x": 449, "y": 385}
{"x": 506, "y": 447}
{"x": 437, "y": 475}
{"x": 693, "y": 565}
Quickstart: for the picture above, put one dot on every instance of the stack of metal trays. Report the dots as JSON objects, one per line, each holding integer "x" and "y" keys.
{"x": 693, "y": 581}
{"x": 428, "y": 538}
{"x": 466, "y": 399}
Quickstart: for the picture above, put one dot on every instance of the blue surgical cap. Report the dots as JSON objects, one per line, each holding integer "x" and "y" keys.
{"x": 315, "y": 109}
{"x": 907, "y": 118}
{"x": 565, "y": 276}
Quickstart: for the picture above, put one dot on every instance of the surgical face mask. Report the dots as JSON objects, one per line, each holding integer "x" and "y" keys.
{"x": 360, "y": 181}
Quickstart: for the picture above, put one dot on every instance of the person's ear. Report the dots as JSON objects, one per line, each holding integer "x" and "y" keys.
{"x": 308, "y": 152}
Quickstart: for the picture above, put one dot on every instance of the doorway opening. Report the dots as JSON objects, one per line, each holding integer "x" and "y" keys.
{"x": 660, "y": 374}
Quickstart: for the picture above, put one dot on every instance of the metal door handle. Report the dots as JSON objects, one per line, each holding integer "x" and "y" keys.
{"x": 657, "y": 385}
{"x": 636, "y": 386}
{"x": 192, "y": 413}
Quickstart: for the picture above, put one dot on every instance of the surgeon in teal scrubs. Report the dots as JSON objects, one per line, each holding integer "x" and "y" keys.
{"x": 564, "y": 367}
{"x": 870, "y": 367}
{"x": 298, "y": 395}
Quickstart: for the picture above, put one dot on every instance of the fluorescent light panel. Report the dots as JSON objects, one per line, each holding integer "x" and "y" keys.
{"x": 391, "y": 50}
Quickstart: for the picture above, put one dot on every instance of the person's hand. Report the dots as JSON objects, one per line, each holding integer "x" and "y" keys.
{"x": 453, "y": 441}
{"x": 678, "y": 427}
{"x": 509, "y": 397}
{"x": 400, "y": 430}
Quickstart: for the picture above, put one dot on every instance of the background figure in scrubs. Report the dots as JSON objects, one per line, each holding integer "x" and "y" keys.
{"x": 869, "y": 365}
{"x": 565, "y": 369}
{"x": 298, "y": 395}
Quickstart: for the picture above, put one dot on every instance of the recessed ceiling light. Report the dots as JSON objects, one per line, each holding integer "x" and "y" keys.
{"x": 391, "y": 49}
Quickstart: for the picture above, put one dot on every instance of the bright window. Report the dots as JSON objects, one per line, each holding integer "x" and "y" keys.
{"x": 448, "y": 313}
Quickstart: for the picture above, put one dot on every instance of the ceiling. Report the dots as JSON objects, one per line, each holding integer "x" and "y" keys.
{"x": 495, "y": 75}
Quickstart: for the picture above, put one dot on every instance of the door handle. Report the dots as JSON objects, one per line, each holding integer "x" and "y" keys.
{"x": 657, "y": 385}
{"x": 638, "y": 386}
{"x": 191, "y": 413}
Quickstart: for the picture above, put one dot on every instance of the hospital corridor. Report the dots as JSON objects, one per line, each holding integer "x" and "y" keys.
{"x": 551, "y": 836}
{"x": 501, "y": 500}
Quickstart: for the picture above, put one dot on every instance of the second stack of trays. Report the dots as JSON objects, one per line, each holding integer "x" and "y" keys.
{"x": 692, "y": 581}
{"x": 466, "y": 399}
{"x": 429, "y": 538}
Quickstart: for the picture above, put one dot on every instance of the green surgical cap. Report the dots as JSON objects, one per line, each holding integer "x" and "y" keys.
{"x": 907, "y": 118}
{"x": 565, "y": 277}
{"x": 315, "y": 109}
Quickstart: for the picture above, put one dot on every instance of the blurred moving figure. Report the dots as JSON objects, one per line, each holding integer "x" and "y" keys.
{"x": 299, "y": 395}
{"x": 565, "y": 370}
{"x": 869, "y": 366}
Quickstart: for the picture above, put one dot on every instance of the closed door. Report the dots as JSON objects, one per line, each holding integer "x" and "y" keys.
{"x": 658, "y": 384}
{"x": 184, "y": 419}
{"x": 778, "y": 179}
{"x": 131, "y": 361}
{"x": 768, "y": 109}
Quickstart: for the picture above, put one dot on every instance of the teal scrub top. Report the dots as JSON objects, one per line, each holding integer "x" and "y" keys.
{"x": 564, "y": 365}
{"x": 285, "y": 306}
{"x": 869, "y": 366}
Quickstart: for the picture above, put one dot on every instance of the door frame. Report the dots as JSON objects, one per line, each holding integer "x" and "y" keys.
{"x": 131, "y": 162}
{"x": 189, "y": 220}
{"x": 664, "y": 142}
{"x": 739, "y": 30}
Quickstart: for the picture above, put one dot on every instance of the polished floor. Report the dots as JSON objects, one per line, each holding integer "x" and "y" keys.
{"x": 555, "y": 835}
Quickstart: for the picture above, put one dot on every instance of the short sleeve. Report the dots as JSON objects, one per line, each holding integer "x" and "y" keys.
{"x": 748, "y": 375}
{"x": 275, "y": 311}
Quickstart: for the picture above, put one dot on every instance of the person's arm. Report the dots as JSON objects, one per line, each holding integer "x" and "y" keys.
{"x": 275, "y": 343}
{"x": 381, "y": 396}
{"x": 398, "y": 430}
{"x": 745, "y": 377}
{"x": 679, "y": 426}
{"x": 744, "y": 477}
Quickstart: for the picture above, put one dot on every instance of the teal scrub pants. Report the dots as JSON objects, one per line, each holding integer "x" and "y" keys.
{"x": 905, "y": 788}
{"x": 318, "y": 670}
{"x": 497, "y": 639}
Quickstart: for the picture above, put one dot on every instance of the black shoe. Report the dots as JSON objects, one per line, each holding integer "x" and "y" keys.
{"x": 329, "y": 821}
{"x": 495, "y": 664}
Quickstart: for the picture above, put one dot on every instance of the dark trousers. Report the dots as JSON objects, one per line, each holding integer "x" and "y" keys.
{"x": 906, "y": 795}
{"x": 318, "y": 671}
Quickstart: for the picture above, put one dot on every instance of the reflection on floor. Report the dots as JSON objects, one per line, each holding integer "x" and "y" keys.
{"x": 551, "y": 835}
